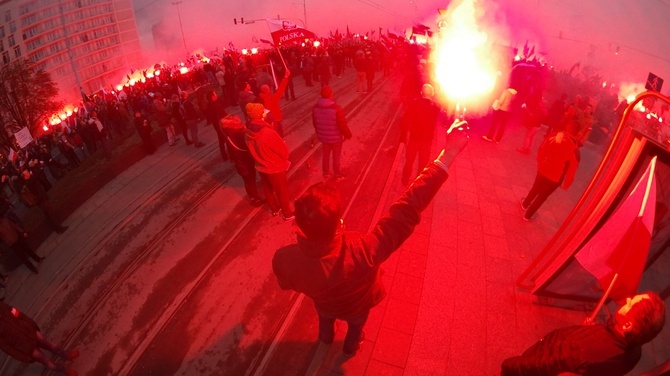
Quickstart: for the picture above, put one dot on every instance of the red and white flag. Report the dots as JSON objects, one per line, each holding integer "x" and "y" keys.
{"x": 12, "y": 155}
{"x": 284, "y": 32}
{"x": 622, "y": 244}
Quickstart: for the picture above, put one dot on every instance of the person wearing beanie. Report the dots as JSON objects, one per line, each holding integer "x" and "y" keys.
{"x": 331, "y": 130}
{"x": 272, "y": 160}
{"x": 271, "y": 102}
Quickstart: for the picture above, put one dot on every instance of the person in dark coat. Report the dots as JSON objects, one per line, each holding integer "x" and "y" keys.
{"x": 177, "y": 118}
{"x": 594, "y": 350}
{"x": 214, "y": 112}
{"x": 331, "y": 130}
{"x": 340, "y": 270}
{"x": 12, "y": 236}
{"x": 234, "y": 130}
{"x": 42, "y": 200}
{"x": 144, "y": 131}
{"x": 20, "y": 338}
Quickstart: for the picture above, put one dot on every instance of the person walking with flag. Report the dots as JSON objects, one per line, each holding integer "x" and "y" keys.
{"x": 271, "y": 102}
{"x": 611, "y": 349}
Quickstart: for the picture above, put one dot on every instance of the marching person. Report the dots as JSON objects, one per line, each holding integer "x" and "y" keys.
{"x": 272, "y": 161}
{"x": 340, "y": 270}
{"x": 557, "y": 161}
{"x": 271, "y": 102}
{"x": 418, "y": 129}
{"x": 331, "y": 130}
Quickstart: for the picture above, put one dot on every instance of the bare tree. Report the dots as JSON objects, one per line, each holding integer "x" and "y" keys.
{"x": 27, "y": 97}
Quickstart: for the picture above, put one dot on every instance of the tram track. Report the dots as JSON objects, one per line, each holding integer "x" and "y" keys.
{"x": 153, "y": 245}
{"x": 184, "y": 295}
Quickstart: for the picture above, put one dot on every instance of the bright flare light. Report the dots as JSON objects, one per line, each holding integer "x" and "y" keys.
{"x": 254, "y": 51}
{"x": 119, "y": 87}
{"x": 317, "y": 43}
{"x": 183, "y": 70}
{"x": 463, "y": 65}
{"x": 45, "y": 128}
{"x": 245, "y": 51}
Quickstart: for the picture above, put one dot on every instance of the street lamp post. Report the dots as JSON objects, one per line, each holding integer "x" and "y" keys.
{"x": 180, "y": 25}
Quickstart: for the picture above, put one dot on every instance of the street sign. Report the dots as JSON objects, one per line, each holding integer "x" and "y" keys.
{"x": 654, "y": 83}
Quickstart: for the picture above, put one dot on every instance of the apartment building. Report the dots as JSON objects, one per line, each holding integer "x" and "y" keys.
{"x": 84, "y": 44}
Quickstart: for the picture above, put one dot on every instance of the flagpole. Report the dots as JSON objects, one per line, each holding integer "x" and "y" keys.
{"x": 274, "y": 76}
{"x": 589, "y": 320}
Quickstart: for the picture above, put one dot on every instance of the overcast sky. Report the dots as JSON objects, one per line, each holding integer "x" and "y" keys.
{"x": 568, "y": 31}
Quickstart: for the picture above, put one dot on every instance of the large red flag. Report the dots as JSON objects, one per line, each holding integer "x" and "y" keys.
{"x": 622, "y": 244}
{"x": 286, "y": 32}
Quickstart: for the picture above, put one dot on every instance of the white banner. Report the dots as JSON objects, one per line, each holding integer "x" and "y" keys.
{"x": 23, "y": 137}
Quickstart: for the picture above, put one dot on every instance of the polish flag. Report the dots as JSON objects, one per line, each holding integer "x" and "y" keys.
{"x": 621, "y": 246}
{"x": 12, "y": 155}
{"x": 284, "y": 32}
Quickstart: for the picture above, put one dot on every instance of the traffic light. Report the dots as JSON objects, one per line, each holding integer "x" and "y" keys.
{"x": 242, "y": 20}
{"x": 235, "y": 21}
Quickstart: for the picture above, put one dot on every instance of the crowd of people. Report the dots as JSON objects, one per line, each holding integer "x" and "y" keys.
{"x": 344, "y": 290}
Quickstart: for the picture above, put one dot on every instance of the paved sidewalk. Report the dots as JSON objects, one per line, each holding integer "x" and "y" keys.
{"x": 453, "y": 308}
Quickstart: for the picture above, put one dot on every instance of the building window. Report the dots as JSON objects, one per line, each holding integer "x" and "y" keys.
{"x": 2, "y": 45}
{"x": 11, "y": 41}
{"x": 5, "y": 57}
{"x": 2, "y": 31}
{"x": 8, "y": 16}
{"x": 17, "y": 51}
{"x": 12, "y": 26}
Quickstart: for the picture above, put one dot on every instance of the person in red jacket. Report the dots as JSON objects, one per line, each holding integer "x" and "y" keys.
{"x": 417, "y": 130}
{"x": 557, "y": 161}
{"x": 272, "y": 160}
{"x": 21, "y": 339}
{"x": 271, "y": 102}
{"x": 340, "y": 270}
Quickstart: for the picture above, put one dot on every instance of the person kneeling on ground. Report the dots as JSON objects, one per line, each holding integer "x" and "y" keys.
{"x": 340, "y": 270}
{"x": 612, "y": 349}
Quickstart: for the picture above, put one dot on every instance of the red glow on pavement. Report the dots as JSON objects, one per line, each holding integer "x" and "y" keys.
{"x": 464, "y": 68}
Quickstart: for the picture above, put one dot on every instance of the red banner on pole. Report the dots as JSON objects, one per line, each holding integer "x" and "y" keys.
{"x": 284, "y": 32}
{"x": 622, "y": 244}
